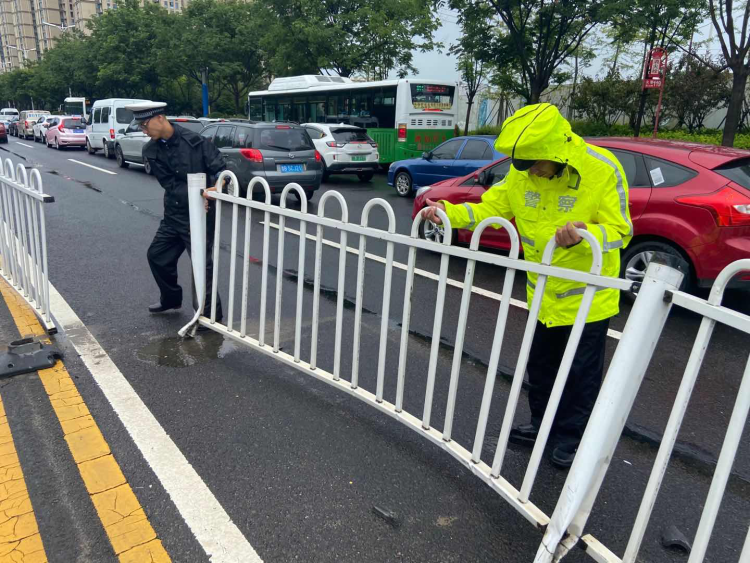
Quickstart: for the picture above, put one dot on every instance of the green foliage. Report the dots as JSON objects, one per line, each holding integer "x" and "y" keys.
{"x": 606, "y": 101}
{"x": 692, "y": 91}
{"x": 537, "y": 38}
{"x": 365, "y": 37}
{"x": 144, "y": 51}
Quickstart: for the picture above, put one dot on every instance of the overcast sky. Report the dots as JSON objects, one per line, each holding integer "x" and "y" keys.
{"x": 442, "y": 66}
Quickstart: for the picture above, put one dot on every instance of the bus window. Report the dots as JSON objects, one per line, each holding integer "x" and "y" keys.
{"x": 283, "y": 109}
{"x": 255, "y": 111}
{"x": 317, "y": 111}
{"x": 300, "y": 110}
{"x": 383, "y": 107}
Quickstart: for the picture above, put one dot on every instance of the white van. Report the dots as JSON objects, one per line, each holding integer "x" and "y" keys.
{"x": 106, "y": 118}
{"x": 7, "y": 113}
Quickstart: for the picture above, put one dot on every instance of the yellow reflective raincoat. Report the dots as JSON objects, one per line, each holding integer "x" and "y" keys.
{"x": 592, "y": 188}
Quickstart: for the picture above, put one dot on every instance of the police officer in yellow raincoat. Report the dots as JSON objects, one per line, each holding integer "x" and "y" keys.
{"x": 558, "y": 183}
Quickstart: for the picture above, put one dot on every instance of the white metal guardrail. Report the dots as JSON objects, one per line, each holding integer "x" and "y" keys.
{"x": 648, "y": 316}
{"x": 23, "y": 237}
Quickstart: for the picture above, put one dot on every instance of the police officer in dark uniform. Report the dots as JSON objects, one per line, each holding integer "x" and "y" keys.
{"x": 174, "y": 152}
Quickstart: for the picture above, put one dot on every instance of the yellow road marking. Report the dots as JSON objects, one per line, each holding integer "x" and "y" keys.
{"x": 132, "y": 537}
{"x": 20, "y": 541}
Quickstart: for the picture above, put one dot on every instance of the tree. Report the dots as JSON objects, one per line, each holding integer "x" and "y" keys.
{"x": 475, "y": 27}
{"x": 348, "y": 36}
{"x": 228, "y": 32}
{"x": 126, "y": 41}
{"x": 735, "y": 50}
{"x": 537, "y": 38}
{"x": 692, "y": 92}
{"x": 660, "y": 23}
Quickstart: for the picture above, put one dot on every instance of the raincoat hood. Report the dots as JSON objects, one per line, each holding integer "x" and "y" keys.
{"x": 540, "y": 132}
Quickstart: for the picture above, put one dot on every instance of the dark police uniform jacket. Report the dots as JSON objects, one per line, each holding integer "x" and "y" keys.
{"x": 172, "y": 160}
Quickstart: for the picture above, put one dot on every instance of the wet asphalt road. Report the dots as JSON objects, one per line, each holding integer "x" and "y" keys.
{"x": 299, "y": 467}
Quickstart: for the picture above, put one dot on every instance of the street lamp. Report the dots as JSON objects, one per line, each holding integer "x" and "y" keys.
{"x": 60, "y": 27}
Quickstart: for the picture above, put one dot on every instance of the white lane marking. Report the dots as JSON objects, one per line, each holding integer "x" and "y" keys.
{"x": 424, "y": 273}
{"x": 218, "y": 535}
{"x": 94, "y": 167}
{"x": 24, "y": 144}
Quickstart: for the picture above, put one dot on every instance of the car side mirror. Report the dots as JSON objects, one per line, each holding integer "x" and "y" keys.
{"x": 427, "y": 155}
{"x": 46, "y": 125}
{"x": 121, "y": 132}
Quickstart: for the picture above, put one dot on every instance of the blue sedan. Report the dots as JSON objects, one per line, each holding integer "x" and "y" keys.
{"x": 454, "y": 158}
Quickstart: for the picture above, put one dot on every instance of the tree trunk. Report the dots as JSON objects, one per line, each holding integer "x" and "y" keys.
{"x": 734, "y": 110}
{"x": 614, "y": 62}
{"x": 648, "y": 46}
{"x": 573, "y": 92}
{"x": 468, "y": 113}
{"x": 536, "y": 93}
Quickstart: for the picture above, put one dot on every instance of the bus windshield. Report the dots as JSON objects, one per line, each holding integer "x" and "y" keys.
{"x": 432, "y": 96}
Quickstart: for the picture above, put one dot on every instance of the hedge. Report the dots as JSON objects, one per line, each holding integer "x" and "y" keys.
{"x": 588, "y": 129}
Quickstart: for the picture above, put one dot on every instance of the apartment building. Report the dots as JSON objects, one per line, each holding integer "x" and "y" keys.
{"x": 28, "y": 28}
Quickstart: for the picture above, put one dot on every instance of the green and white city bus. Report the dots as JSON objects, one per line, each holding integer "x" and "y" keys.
{"x": 405, "y": 117}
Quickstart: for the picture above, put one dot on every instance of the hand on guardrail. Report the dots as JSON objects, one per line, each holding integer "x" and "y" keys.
{"x": 429, "y": 213}
{"x": 567, "y": 236}
{"x": 206, "y": 198}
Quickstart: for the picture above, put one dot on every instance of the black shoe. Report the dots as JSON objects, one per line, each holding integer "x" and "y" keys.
{"x": 563, "y": 456}
{"x": 159, "y": 308}
{"x": 524, "y": 434}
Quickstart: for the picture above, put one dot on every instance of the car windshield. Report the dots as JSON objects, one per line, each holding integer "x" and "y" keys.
{"x": 194, "y": 126}
{"x": 285, "y": 140}
{"x": 73, "y": 124}
{"x": 350, "y": 136}
{"x": 737, "y": 170}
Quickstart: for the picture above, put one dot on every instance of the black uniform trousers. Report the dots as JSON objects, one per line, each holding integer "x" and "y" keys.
{"x": 168, "y": 245}
{"x": 584, "y": 380}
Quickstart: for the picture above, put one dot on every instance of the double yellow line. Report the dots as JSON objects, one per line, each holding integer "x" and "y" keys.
{"x": 132, "y": 537}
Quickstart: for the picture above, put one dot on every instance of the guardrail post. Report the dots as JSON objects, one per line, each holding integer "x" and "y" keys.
{"x": 618, "y": 392}
{"x": 196, "y": 185}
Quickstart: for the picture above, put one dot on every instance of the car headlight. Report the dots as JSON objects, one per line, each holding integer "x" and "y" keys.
{"x": 424, "y": 190}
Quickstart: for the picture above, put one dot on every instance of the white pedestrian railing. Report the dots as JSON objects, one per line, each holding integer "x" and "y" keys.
{"x": 23, "y": 237}
{"x": 627, "y": 369}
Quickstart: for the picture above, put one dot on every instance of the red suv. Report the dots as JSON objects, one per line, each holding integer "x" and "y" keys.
{"x": 686, "y": 199}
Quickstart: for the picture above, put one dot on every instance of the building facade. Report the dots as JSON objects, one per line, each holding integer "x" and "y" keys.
{"x": 28, "y": 28}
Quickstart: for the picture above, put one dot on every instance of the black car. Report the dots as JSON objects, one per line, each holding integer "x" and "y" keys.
{"x": 279, "y": 152}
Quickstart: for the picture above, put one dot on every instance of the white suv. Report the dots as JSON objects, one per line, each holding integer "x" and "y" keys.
{"x": 345, "y": 149}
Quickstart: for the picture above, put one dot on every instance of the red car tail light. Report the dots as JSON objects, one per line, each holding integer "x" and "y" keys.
{"x": 402, "y": 132}
{"x": 335, "y": 145}
{"x": 111, "y": 133}
{"x": 318, "y": 157}
{"x": 729, "y": 207}
{"x": 253, "y": 155}
{"x": 61, "y": 127}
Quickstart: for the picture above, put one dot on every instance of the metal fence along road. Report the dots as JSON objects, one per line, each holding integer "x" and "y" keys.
{"x": 658, "y": 293}
{"x": 23, "y": 237}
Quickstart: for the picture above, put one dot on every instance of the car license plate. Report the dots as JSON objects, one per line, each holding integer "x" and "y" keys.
{"x": 79, "y": 130}
{"x": 291, "y": 168}
{"x": 359, "y": 158}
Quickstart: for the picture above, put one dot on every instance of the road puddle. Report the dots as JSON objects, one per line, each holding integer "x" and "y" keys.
{"x": 177, "y": 352}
